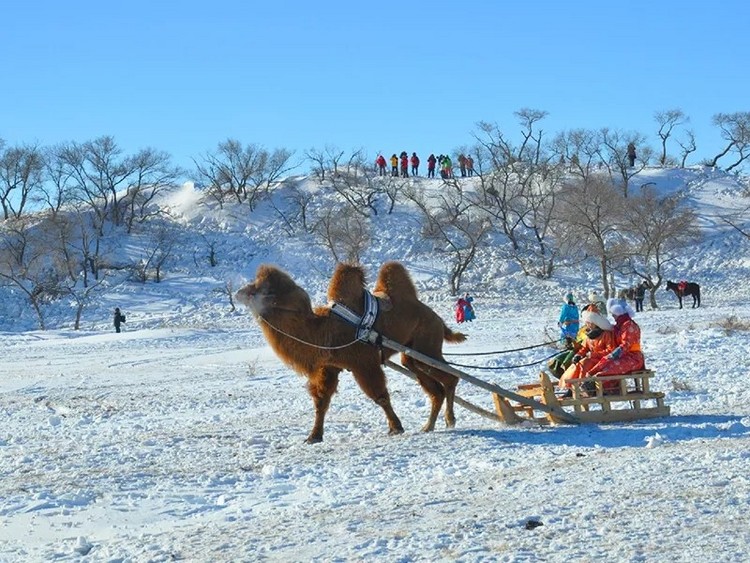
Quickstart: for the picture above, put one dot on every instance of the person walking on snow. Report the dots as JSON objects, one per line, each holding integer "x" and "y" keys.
{"x": 118, "y": 319}
{"x": 394, "y": 165}
{"x": 464, "y": 309}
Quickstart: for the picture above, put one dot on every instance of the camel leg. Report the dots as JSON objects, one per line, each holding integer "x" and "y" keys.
{"x": 432, "y": 387}
{"x": 321, "y": 386}
{"x": 449, "y": 384}
{"x": 372, "y": 382}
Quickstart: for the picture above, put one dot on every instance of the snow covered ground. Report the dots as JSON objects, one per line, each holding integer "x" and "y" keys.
{"x": 156, "y": 445}
{"x": 182, "y": 439}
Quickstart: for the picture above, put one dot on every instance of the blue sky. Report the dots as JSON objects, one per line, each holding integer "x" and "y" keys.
{"x": 183, "y": 76}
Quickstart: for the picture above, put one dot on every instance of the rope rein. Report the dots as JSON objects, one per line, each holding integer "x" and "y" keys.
{"x": 504, "y": 367}
{"x": 363, "y": 333}
{"x": 500, "y": 351}
{"x": 311, "y": 345}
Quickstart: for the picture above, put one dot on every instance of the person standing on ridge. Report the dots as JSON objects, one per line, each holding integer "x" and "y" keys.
{"x": 631, "y": 154}
{"x": 380, "y": 163}
{"x": 462, "y": 165}
{"x": 414, "y": 161}
{"x": 431, "y": 166}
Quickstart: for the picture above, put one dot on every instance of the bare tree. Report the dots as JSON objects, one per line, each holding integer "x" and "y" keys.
{"x": 613, "y": 149}
{"x": 588, "y": 210}
{"x": 530, "y": 150}
{"x": 518, "y": 193}
{"x": 245, "y": 173}
{"x": 687, "y": 147}
{"x": 667, "y": 120}
{"x": 83, "y": 296}
{"x": 162, "y": 242}
{"x": 453, "y": 223}
{"x": 59, "y": 185}
{"x": 735, "y": 129}
{"x": 580, "y": 150}
{"x": 95, "y": 174}
{"x": 228, "y": 291}
{"x": 656, "y": 230}
{"x": 345, "y": 233}
{"x": 211, "y": 243}
{"x": 21, "y": 178}
{"x": 295, "y": 211}
{"x": 28, "y": 264}
{"x": 392, "y": 187}
{"x": 325, "y": 160}
{"x": 358, "y": 186}
{"x": 152, "y": 174}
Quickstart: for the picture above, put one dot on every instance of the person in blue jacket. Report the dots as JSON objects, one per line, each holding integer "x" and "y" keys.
{"x": 469, "y": 308}
{"x": 568, "y": 321}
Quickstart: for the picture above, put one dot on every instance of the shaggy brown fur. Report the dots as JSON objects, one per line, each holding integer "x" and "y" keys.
{"x": 317, "y": 344}
{"x": 407, "y": 321}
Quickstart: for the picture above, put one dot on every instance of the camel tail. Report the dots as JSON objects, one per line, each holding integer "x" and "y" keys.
{"x": 451, "y": 336}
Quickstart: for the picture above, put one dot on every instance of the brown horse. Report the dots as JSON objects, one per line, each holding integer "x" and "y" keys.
{"x": 686, "y": 288}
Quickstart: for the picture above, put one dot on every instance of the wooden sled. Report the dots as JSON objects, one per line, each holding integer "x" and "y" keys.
{"x": 538, "y": 403}
{"x": 632, "y": 400}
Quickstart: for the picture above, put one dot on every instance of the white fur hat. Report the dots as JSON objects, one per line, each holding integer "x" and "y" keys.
{"x": 618, "y": 307}
{"x": 595, "y": 318}
{"x": 594, "y": 297}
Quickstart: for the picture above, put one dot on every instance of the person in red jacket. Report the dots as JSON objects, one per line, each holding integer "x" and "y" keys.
{"x": 626, "y": 356}
{"x": 380, "y": 163}
{"x": 431, "y": 166}
{"x": 404, "y": 165}
{"x": 414, "y": 161}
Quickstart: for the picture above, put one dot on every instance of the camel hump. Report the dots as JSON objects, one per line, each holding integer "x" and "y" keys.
{"x": 394, "y": 281}
{"x": 451, "y": 336}
{"x": 347, "y": 284}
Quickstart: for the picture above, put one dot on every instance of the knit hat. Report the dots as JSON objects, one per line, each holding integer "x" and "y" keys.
{"x": 619, "y": 307}
{"x": 595, "y": 318}
{"x": 569, "y": 298}
{"x": 594, "y": 297}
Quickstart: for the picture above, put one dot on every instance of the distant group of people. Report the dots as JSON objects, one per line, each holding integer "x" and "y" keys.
{"x": 599, "y": 347}
{"x": 403, "y": 163}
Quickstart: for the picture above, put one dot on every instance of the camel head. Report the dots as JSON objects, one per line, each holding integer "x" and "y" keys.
{"x": 274, "y": 291}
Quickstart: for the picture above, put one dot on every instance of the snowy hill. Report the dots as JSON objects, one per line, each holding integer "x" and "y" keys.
{"x": 193, "y": 293}
{"x": 182, "y": 437}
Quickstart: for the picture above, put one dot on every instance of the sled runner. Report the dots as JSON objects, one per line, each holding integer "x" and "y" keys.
{"x": 590, "y": 402}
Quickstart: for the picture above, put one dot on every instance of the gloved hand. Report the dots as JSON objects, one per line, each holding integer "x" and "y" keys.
{"x": 614, "y": 354}
{"x": 577, "y": 358}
